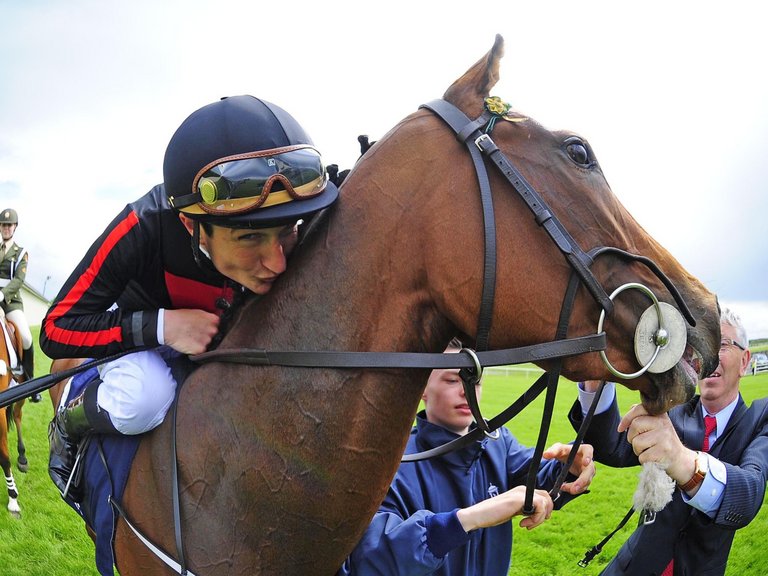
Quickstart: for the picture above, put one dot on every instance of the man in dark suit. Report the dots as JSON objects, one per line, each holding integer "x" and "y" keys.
{"x": 721, "y": 476}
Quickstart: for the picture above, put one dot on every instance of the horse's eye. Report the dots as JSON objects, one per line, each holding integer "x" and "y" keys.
{"x": 579, "y": 152}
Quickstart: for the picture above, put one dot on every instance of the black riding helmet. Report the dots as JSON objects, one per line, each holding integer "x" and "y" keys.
{"x": 244, "y": 162}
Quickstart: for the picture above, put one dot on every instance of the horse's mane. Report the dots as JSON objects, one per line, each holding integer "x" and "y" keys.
{"x": 337, "y": 177}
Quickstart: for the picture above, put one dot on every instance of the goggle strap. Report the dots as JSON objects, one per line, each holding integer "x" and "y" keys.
{"x": 184, "y": 201}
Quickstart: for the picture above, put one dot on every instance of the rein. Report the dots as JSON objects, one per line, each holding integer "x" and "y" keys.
{"x": 325, "y": 359}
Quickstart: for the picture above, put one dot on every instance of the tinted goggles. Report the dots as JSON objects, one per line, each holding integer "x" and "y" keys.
{"x": 245, "y": 182}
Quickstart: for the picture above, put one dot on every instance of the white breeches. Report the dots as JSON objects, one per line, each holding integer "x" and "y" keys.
{"x": 19, "y": 318}
{"x": 137, "y": 390}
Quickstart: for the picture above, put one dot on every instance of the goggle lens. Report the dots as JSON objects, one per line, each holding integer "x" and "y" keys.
{"x": 245, "y": 182}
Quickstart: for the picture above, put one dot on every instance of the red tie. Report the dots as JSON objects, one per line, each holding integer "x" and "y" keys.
{"x": 710, "y": 424}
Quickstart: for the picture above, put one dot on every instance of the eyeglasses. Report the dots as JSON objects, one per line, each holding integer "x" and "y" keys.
{"x": 726, "y": 343}
{"x": 245, "y": 182}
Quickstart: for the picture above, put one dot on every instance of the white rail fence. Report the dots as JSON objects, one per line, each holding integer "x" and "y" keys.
{"x": 755, "y": 367}
{"x": 526, "y": 369}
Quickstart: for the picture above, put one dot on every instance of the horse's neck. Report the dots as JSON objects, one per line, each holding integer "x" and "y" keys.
{"x": 343, "y": 291}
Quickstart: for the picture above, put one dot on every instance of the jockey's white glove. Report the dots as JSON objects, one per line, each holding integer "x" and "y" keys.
{"x": 2, "y": 297}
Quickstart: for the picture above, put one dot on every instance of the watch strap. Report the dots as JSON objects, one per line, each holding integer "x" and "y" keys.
{"x": 698, "y": 475}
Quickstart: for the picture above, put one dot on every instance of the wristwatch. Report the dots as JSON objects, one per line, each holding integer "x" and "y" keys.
{"x": 702, "y": 467}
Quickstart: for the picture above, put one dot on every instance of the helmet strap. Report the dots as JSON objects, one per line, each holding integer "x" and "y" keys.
{"x": 196, "y": 245}
{"x": 201, "y": 257}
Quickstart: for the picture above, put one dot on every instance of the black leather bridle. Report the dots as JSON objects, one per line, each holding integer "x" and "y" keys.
{"x": 475, "y": 134}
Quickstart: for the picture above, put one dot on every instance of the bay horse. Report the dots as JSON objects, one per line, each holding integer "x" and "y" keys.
{"x": 281, "y": 468}
{"x": 10, "y": 371}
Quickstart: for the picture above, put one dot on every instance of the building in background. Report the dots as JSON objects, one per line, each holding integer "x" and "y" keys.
{"x": 35, "y": 304}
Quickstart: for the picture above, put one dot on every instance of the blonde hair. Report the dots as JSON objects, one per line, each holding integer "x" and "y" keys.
{"x": 454, "y": 344}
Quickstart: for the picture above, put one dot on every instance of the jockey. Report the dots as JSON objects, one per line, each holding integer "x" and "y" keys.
{"x": 13, "y": 271}
{"x": 240, "y": 176}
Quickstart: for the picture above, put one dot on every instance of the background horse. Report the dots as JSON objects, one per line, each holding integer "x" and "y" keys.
{"x": 10, "y": 370}
{"x": 281, "y": 469}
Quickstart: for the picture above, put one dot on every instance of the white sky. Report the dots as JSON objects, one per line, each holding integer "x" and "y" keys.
{"x": 671, "y": 95}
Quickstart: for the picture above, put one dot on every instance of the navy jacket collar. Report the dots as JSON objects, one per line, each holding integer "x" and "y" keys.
{"x": 430, "y": 435}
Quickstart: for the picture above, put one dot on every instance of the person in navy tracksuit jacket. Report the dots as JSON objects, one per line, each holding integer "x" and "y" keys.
{"x": 450, "y": 515}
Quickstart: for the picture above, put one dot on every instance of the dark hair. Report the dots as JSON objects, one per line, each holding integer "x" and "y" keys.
{"x": 209, "y": 226}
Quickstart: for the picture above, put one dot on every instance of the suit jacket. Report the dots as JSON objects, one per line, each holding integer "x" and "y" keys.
{"x": 699, "y": 544}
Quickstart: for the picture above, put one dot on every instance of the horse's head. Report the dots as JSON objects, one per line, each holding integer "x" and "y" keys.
{"x": 562, "y": 168}
{"x": 395, "y": 265}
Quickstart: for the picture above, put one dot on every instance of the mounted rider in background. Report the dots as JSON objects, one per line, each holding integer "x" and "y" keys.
{"x": 13, "y": 271}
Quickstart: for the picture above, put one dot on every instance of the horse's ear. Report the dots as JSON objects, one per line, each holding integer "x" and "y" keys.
{"x": 469, "y": 91}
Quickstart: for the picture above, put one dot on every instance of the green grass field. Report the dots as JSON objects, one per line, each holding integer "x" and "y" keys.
{"x": 50, "y": 539}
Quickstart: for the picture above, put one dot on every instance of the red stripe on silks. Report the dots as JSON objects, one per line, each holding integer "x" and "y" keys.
{"x": 188, "y": 293}
{"x": 101, "y": 337}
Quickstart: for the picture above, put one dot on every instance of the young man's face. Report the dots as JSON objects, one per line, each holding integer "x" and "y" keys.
{"x": 254, "y": 258}
{"x": 445, "y": 402}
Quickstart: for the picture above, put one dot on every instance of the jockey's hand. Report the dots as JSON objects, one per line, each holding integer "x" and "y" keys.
{"x": 583, "y": 465}
{"x": 189, "y": 331}
{"x": 499, "y": 509}
{"x": 2, "y": 297}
